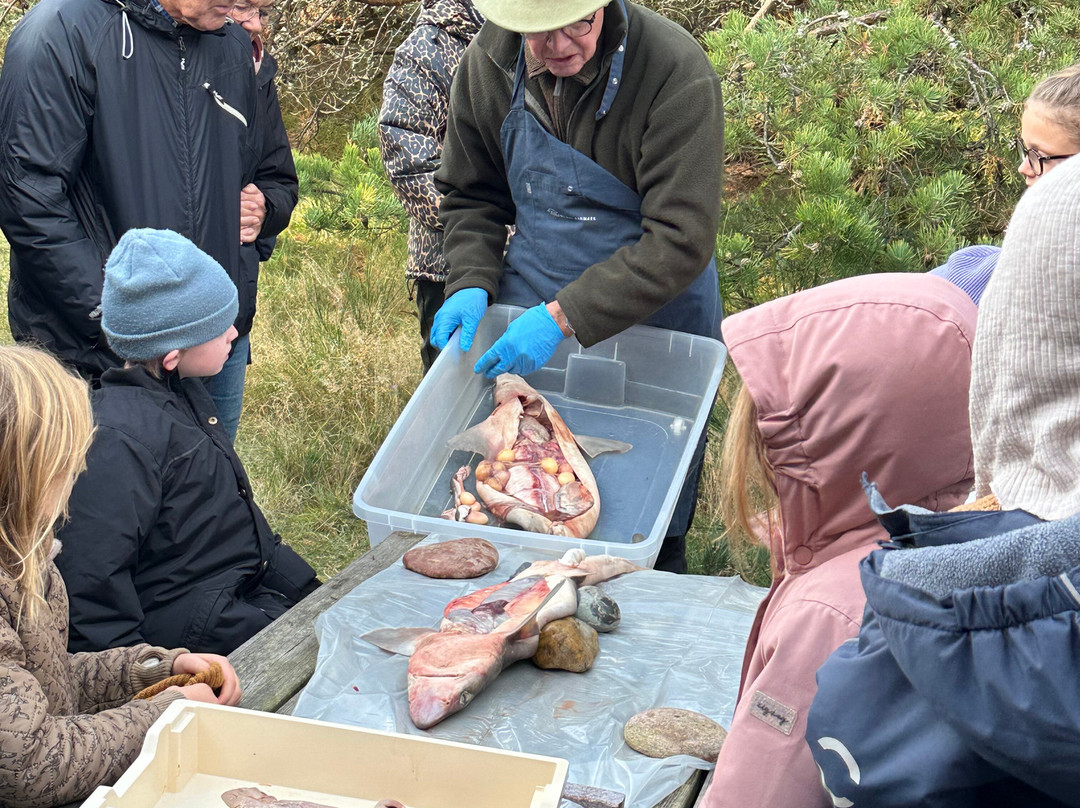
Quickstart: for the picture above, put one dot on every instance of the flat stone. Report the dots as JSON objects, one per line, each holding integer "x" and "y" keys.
{"x": 567, "y": 645}
{"x": 598, "y": 609}
{"x": 666, "y": 731}
{"x": 456, "y": 558}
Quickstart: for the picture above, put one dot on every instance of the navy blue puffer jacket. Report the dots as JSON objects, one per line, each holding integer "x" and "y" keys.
{"x": 961, "y": 689}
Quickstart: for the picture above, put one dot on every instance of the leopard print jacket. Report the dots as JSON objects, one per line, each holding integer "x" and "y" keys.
{"x": 67, "y": 724}
{"x": 412, "y": 122}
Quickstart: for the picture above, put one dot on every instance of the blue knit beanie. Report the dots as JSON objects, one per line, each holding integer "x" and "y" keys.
{"x": 970, "y": 268}
{"x": 162, "y": 293}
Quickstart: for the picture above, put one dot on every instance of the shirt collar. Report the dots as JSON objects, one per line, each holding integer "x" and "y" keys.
{"x": 160, "y": 9}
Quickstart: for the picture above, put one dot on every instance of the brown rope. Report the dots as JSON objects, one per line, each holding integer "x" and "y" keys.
{"x": 212, "y": 676}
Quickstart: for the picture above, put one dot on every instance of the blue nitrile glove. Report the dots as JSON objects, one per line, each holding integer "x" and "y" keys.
{"x": 465, "y": 308}
{"x": 528, "y": 343}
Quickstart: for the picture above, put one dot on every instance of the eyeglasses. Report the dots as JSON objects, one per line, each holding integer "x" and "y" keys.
{"x": 1037, "y": 159}
{"x": 242, "y": 12}
{"x": 574, "y": 30}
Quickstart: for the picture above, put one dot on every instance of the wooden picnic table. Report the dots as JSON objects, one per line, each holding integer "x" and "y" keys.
{"x": 276, "y": 663}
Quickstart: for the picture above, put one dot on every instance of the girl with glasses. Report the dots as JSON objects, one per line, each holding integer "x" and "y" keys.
{"x": 1049, "y": 134}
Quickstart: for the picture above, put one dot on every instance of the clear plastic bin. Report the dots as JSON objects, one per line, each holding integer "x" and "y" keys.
{"x": 647, "y": 386}
{"x": 196, "y": 752}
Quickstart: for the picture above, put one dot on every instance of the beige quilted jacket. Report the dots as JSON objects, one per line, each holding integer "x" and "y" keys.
{"x": 66, "y": 722}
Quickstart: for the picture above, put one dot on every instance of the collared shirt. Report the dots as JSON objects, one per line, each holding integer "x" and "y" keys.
{"x": 161, "y": 10}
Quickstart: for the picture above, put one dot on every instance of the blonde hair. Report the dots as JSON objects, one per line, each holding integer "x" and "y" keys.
{"x": 1060, "y": 94}
{"x": 46, "y": 427}
{"x": 748, "y": 490}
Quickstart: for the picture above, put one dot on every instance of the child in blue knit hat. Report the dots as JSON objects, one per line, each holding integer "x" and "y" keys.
{"x": 165, "y": 544}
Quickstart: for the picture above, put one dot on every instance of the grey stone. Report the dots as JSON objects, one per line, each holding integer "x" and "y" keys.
{"x": 666, "y": 731}
{"x": 598, "y": 609}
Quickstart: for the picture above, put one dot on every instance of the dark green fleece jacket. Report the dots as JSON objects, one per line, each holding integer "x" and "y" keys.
{"x": 663, "y": 137}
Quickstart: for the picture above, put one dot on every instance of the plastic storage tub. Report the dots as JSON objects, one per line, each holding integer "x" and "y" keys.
{"x": 648, "y": 386}
{"x": 195, "y": 752}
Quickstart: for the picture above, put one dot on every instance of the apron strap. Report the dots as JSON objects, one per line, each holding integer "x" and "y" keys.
{"x": 615, "y": 74}
{"x": 517, "y": 97}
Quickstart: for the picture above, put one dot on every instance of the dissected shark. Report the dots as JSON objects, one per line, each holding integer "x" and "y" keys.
{"x": 533, "y": 473}
{"x": 483, "y": 632}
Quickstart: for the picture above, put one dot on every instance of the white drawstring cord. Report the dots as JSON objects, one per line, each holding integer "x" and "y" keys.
{"x": 128, "y": 48}
{"x": 223, "y": 104}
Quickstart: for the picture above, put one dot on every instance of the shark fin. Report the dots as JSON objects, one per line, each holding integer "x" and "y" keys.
{"x": 397, "y": 640}
{"x": 474, "y": 439}
{"x": 593, "y": 446}
{"x": 529, "y": 627}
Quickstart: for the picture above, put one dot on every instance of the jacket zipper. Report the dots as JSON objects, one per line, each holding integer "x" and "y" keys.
{"x": 221, "y": 102}
{"x": 185, "y": 143}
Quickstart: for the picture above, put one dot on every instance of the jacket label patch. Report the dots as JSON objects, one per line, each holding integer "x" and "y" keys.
{"x": 776, "y": 715}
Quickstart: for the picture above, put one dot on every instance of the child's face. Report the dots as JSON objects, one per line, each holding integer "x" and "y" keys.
{"x": 206, "y": 359}
{"x": 1041, "y": 133}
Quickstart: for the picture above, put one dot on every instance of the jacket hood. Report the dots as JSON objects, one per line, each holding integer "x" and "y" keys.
{"x": 867, "y": 374}
{"x": 457, "y": 17}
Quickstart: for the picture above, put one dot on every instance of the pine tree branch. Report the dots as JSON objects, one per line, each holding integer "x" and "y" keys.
{"x": 844, "y": 20}
{"x": 766, "y": 7}
{"x": 764, "y": 139}
{"x": 978, "y": 78}
{"x": 782, "y": 242}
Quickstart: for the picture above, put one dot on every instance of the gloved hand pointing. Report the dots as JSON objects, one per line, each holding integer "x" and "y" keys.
{"x": 528, "y": 343}
{"x": 465, "y": 308}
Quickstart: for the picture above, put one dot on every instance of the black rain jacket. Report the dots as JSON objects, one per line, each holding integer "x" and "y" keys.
{"x": 165, "y": 544}
{"x": 276, "y": 178}
{"x": 111, "y": 118}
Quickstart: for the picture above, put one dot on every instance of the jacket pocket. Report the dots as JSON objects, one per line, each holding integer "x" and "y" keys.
{"x": 289, "y": 574}
{"x": 221, "y": 621}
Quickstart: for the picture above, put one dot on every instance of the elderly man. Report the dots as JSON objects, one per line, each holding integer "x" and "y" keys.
{"x": 112, "y": 116}
{"x": 596, "y": 131}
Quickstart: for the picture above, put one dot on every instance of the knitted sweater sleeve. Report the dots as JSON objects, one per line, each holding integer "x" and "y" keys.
{"x": 47, "y": 759}
{"x": 110, "y": 678}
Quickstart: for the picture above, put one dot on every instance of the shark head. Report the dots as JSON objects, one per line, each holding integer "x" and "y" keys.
{"x": 434, "y": 698}
{"x": 447, "y": 671}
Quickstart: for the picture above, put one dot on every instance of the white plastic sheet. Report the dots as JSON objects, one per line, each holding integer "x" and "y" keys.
{"x": 680, "y": 644}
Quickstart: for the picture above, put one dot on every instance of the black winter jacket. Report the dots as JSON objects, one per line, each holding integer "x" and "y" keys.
{"x": 112, "y": 118}
{"x": 276, "y": 178}
{"x": 165, "y": 543}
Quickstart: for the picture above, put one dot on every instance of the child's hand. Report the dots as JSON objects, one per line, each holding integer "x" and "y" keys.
{"x": 200, "y": 692}
{"x": 197, "y": 663}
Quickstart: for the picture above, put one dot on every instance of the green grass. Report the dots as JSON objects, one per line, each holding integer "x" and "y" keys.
{"x": 335, "y": 358}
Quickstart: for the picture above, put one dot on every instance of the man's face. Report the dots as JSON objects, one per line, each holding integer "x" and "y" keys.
{"x": 251, "y": 15}
{"x": 203, "y": 15}
{"x": 564, "y": 55}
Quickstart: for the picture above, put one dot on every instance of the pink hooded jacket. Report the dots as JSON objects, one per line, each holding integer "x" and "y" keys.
{"x": 865, "y": 374}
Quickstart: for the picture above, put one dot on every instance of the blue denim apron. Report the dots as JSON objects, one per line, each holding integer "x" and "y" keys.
{"x": 573, "y": 213}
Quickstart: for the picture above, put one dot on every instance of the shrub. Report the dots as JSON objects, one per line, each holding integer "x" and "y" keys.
{"x": 877, "y": 137}
{"x": 351, "y": 194}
